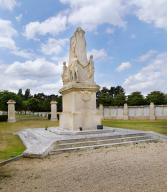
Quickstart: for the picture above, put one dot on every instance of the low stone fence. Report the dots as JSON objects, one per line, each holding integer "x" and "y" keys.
{"x": 3, "y": 112}
{"x": 30, "y": 113}
{"x": 135, "y": 112}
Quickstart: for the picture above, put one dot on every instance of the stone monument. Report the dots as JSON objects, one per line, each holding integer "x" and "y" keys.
{"x": 79, "y": 88}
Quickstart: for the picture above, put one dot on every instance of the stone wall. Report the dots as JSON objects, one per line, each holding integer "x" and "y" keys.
{"x": 135, "y": 112}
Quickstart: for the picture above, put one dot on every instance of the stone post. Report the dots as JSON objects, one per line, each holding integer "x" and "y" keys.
{"x": 11, "y": 111}
{"x": 101, "y": 110}
{"x": 126, "y": 117}
{"x": 53, "y": 111}
{"x": 152, "y": 111}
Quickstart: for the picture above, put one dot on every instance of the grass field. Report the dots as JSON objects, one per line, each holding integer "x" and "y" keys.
{"x": 10, "y": 144}
{"x": 159, "y": 126}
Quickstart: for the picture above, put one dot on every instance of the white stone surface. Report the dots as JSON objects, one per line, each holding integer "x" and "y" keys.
{"x": 135, "y": 112}
{"x": 152, "y": 111}
{"x": 126, "y": 112}
{"x": 39, "y": 142}
{"x": 53, "y": 111}
{"x": 79, "y": 68}
{"x": 11, "y": 111}
{"x": 79, "y": 89}
{"x": 79, "y": 107}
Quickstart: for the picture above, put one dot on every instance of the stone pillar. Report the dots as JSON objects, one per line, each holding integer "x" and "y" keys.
{"x": 101, "y": 110}
{"x": 126, "y": 113}
{"x": 53, "y": 111}
{"x": 152, "y": 111}
{"x": 11, "y": 111}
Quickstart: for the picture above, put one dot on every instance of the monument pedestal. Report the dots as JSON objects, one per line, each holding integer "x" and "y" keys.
{"x": 79, "y": 107}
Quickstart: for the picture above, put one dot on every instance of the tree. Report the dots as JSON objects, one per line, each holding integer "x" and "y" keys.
{"x": 33, "y": 104}
{"x": 20, "y": 93}
{"x": 27, "y": 94}
{"x": 119, "y": 90}
{"x": 5, "y": 96}
{"x": 103, "y": 97}
{"x": 119, "y": 100}
{"x": 136, "y": 98}
{"x": 156, "y": 97}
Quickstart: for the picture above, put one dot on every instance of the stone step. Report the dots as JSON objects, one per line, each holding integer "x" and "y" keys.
{"x": 96, "y": 146}
{"x": 98, "y": 141}
{"x": 99, "y": 137}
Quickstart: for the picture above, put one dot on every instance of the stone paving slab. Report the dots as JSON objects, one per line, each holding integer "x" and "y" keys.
{"x": 39, "y": 141}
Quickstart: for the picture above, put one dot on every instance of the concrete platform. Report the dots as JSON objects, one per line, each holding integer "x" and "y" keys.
{"x": 40, "y": 142}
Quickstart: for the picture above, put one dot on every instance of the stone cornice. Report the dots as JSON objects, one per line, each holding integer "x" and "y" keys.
{"x": 79, "y": 87}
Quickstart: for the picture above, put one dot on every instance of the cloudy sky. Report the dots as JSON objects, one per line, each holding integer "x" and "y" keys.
{"x": 127, "y": 38}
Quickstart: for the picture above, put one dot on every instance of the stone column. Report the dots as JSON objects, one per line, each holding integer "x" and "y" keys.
{"x": 53, "y": 111}
{"x": 11, "y": 111}
{"x": 152, "y": 111}
{"x": 126, "y": 117}
{"x": 101, "y": 110}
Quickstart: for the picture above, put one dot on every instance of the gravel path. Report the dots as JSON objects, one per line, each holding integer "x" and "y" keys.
{"x": 135, "y": 168}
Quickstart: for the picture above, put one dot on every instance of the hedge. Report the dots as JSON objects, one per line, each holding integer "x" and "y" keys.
{"x": 3, "y": 118}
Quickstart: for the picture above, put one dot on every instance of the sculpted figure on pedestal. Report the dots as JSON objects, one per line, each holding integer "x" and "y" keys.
{"x": 79, "y": 69}
{"x": 65, "y": 74}
{"x": 91, "y": 67}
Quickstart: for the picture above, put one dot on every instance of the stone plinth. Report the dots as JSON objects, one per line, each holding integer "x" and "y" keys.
{"x": 79, "y": 107}
{"x": 11, "y": 111}
{"x": 53, "y": 111}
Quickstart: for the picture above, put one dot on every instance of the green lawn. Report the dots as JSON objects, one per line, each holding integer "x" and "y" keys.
{"x": 10, "y": 144}
{"x": 159, "y": 126}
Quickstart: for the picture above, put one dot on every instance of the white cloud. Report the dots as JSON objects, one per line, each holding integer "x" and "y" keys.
{"x": 7, "y": 4}
{"x": 147, "y": 56}
{"x": 23, "y": 53}
{"x": 7, "y": 35}
{"x": 152, "y": 11}
{"x": 151, "y": 77}
{"x": 39, "y": 68}
{"x": 7, "y": 32}
{"x": 52, "y": 25}
{"x": 53, "y": 46}
{"x": 98, "y": 54}
{"x": 90, "y": 14}
{"x": 124, "y": 66}
{"x": 40, "y": 75}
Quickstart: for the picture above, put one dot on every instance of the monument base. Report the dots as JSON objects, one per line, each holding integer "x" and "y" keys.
{"x": 79, "y": 107}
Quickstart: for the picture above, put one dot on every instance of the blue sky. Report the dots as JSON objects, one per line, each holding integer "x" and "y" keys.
{"x": 127, "y": 38}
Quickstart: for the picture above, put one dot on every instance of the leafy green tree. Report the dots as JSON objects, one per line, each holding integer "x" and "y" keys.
{"x": 156, "y": 97}
{"x": 136, "y": 98}
{"x": 5, "y": 96}
{"x": 27, "y": 94}
{"x": 33, "y": 104}
{"x": 119, "y": 99}
{"x": 119, "y": 90}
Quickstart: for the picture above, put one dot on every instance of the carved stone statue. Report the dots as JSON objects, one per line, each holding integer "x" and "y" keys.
{"x": 79, "y": 89}
{"x": 65, "y": 75}
{"x": 91, "y": 67}
{"x": 79, "y": 69}
{"x": 78, "y": 47}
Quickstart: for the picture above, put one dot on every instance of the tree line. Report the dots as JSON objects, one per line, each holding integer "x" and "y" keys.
{"x": 113, "y": 96}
